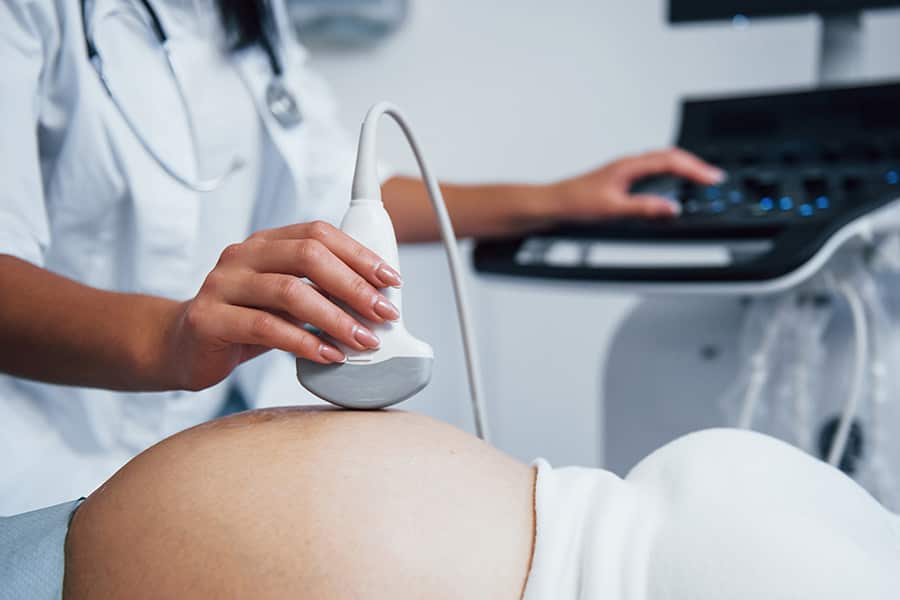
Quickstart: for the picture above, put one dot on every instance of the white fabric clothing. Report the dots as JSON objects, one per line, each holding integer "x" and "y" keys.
{"x": 716, "y": 515}
{"x": 81, "y": 197}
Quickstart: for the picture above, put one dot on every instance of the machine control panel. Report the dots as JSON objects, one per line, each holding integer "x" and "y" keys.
{"x": 800, "y": 166}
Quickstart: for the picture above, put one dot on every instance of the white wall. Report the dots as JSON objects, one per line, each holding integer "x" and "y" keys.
{"x": 534, "y": 90}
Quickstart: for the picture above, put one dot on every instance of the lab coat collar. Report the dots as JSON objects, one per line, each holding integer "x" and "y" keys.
{"x": 256, "y": 72}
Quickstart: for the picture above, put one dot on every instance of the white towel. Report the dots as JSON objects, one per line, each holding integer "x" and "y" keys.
{"x": 716, "y": 515}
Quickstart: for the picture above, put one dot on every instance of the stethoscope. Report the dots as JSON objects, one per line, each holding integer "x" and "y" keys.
{"x": 282, "y": 104}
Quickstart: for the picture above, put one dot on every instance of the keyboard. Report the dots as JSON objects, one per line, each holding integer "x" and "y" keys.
{"x": 775, "y": 194}
{"x": 801, "y": 166}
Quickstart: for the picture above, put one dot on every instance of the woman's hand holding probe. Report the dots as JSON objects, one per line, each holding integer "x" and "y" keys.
{"x": 264, "y": 290}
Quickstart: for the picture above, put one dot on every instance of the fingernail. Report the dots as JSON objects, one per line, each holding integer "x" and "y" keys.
{"x": 386, "y": 310}
{"x": 672, "y": 208}
{"x": 389, "y": 276}
{"x": 365, "y": 337}
{"x": 718, "y": 175}
{"x": 331, "y": 354}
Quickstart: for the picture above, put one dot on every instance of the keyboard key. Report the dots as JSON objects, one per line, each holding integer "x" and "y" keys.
{"x": 823, "y": 202}
{"x": 806, "y": 210}
{"x": 815, "y": 185}
{"x": 717, "y": 206}
{"x": 563, "y": 254}
{"x": 892, "y": 177}
{"x": 527, "y": 258}
{"x": 657, "y": 255}
{"x": 531, "y": 252}
{"x": 852, "y": 182}
{"x": 786, "y": 203}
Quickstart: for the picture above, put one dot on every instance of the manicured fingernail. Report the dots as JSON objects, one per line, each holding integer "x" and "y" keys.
{"x": 331, "y": 354}
{"x": 389, "y": 276}
{"x": 386, "y": 310}
{"x": 365, "y": 337}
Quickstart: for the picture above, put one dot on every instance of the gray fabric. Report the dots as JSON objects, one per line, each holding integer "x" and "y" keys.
{"x": 235, "y": 402}
{"x": 32, "y": 553}
{"x": 346, "y": 22}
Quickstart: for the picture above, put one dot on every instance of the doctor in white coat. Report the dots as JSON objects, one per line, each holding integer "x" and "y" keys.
{"x": 155, "y": 232}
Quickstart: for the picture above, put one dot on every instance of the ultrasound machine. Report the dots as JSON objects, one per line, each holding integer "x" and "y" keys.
{"x": 765, "y": 297}
{"x": 809, "y": 172}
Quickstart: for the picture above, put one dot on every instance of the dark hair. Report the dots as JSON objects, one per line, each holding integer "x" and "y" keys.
{"x": 246, "y": 21}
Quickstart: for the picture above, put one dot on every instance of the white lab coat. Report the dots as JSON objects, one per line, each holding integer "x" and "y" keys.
{"x": 80, "y": 197}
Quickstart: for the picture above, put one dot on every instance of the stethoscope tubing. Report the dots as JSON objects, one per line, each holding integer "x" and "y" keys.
{"x": 198, "y": 185}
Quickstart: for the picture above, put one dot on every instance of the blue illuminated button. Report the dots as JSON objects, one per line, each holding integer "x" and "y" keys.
{"x": 691, "y": 207}
{"x": 735, "y": 196}
{"x": 786, "y": 203}
{"x": 822, "y": 202}
{"x": 892, "y": 177}
{"x": 712, "y": 193}
{"x": 717, "y": 206}
{"x": 806, "y": 210}
{"x": 766, "y": 204}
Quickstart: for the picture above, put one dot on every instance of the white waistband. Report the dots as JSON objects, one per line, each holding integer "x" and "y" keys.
{"x": 593, "y": 536}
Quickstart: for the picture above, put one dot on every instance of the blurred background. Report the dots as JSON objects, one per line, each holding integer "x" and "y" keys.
{"x": 530, "y": 90}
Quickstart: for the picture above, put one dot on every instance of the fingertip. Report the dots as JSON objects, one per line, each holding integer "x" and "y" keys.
{"x": 663, "y": 210}
{"x": 385, "y": 310}
{"x": 658, "y": 207}
{"x": 716, "y": 176}
{"x": 687, "y": 164}
{"x": 670, "y": 208}
{"x": 365, "y": 338}
{"x": 704, "y": 175}
{"x": 331, "y": 354}
{"x": 388, "y": 276}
